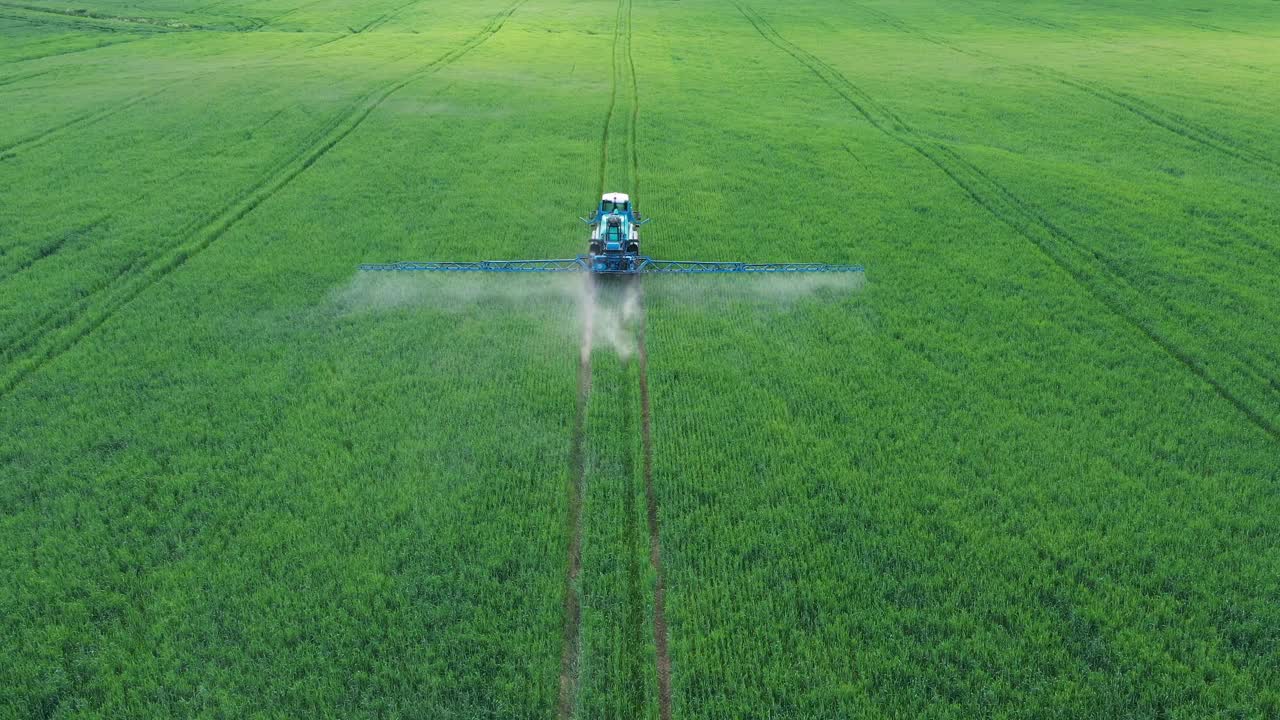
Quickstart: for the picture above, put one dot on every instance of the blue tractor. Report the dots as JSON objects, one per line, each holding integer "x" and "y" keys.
{"x": 614, "y": 250}
{"x": 615, "y": 236}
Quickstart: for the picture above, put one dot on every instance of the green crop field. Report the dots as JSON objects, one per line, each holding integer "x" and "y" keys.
{"x": 1027, "y": 465}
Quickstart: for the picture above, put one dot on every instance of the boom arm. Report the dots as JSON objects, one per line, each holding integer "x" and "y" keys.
{"x": 643, "y": 266}
{"x": 651, "y": 266}
{"x": 577, "y": 264}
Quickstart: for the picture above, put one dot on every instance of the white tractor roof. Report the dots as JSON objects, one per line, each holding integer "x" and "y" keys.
{"x": 616, "y": 197}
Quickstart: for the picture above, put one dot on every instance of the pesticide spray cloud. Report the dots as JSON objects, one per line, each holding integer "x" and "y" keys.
{"x": 452, "y": 293}
{"x": 777, "y": 291}
{"x": 610, "y": 315}
{"x": 598, "y": 313}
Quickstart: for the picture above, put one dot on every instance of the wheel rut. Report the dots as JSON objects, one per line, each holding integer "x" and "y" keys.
{"x": 613, "y": 101}
{"x": 99, "y": 46}
{"x": 1096, "y": 274}
{"x": 60, "y": 316}
{"x": 571, "y": 653}
{"x": 103, "y": 22}
{"x": 572, "y": 647}
{"x": 129, "y": 285}
{"x": 11, "y": 79}
{"x": 80, "y": 121}
{"x": 619, "y": 164}
{"x": 276, "y": 18}
{"x": 53, "y": 245}
{"x": 1147, "y": 111}
{"x": 661, "y": 634}
{"x": 92, "y": 117}
{"x": 384, "y": 19}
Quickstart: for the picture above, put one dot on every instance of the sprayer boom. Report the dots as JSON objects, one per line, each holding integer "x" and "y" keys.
{"x": 614, "y": 249}
{"x": 583, "y": 263}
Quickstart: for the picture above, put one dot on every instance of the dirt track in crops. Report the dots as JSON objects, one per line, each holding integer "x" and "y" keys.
{"x": 577, "y": 476}
{"x": 655, "y": 543}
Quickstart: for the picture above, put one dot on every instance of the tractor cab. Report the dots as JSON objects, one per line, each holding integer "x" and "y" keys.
{"x": 615, "y": 204}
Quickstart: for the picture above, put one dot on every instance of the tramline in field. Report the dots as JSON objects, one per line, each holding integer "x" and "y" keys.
{"x": 614, "y": 250}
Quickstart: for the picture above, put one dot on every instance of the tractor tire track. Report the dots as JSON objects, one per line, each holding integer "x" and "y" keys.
{"x": 1167, "y": 120}
{"x": 632, "y": 630}
{"x": 53, "y": 246}
{"x": 20, "y": 77}
{"x": 273, "y": 20}
{"x": 58, "y": 316}
{"x": 86, "y": 19}
{"x": 330, "y": 41}
{"x": 61, "y": 316}
{"x": 613, "y": 101}
{"x": 1164, "y": 119}
{"x": 371, "y": 25}
{"x": 89, "y": 317}
{"x": 1227, "y": 227}
{"x": 92, "y": 20}
{"x": 1075, "y": 31}
{"x": 632, "y": 647}
{"x": 376, "y": 21}
{"x": 571, "y": 653}
{"x": 635, "y": 110}
{"x": 1145, "y": 110}
{"x": 571, "y": 656}
{"x": 57, "y": 21}
{"x": 1094, "y": 273}
{"x": 95, "y": 116}
{"x": 388, "y": 16}
{"x": 29, "y": 58}
{"x": 47, "y": 326}
{"x": 661, "y": 633}
{"x": 80, "y": 121}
